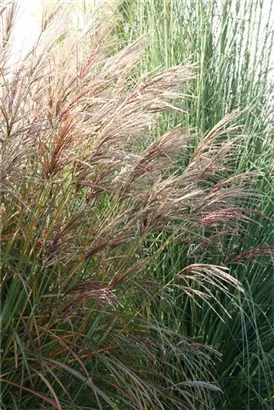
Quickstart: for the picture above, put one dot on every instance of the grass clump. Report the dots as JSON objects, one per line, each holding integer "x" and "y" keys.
{"x": 87, "y": 206}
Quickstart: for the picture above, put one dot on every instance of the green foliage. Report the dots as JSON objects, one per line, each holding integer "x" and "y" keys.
{"x": 86, "y": 200}
{"x": 231, "y": 42}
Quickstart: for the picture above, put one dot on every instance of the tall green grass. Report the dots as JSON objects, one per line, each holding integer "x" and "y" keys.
{"x": 232, "y": 44}
{"x": 95, "y": 197}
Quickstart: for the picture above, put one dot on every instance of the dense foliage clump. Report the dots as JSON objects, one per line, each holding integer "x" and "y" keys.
{"x": 111, "y": 217}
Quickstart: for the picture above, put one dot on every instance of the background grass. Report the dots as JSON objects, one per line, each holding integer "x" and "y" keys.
{"x": 232, "y": 44}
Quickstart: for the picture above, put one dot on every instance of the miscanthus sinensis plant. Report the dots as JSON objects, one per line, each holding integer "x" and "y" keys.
{"x": 86, "y": 192}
